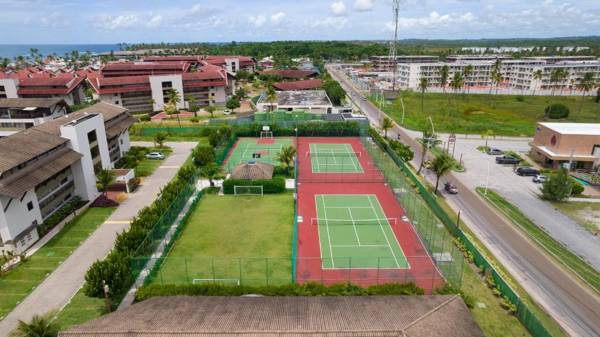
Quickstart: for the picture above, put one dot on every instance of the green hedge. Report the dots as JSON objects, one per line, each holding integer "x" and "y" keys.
{"x": 307, "y": 289}
{"x": 58, "y": 216}
{"x": 270, "y": 186}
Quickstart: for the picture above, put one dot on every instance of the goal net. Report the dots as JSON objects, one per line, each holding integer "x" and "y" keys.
{"x": 353, "y": 222}
{"x": 266, "y": 135}
{"x": 220, "y": 281}
{"x": 248, "y": 190}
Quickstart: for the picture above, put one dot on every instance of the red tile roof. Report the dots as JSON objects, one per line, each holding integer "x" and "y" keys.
{"x": 161, "y": 59}
{"x": 290, "y": 73}
{"x": 220, "y": 59}
{"x": 298, "y": 85}
{"x": 60, "y": 85}
{"x": 144, "y": 68}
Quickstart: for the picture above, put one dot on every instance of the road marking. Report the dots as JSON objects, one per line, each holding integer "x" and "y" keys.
{"x": 169, "y": 167}
{"x": 117, "y": 222}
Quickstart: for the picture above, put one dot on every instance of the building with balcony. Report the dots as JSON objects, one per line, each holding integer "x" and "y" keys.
{"x": 385, "y": 63}
{"x": 312, "y": 101}
{"x": 55, "y": 162}
{"x": 17, "y": 114}
{"x": 68, "y": 87}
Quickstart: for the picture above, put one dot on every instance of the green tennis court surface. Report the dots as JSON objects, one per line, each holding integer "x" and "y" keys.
{"x": 334, "y": 158}
{"x": 354, "y": 233}
{"x": 248, "y": 149}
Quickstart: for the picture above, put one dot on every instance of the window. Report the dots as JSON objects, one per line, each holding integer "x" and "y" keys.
{"x": 30, "y": 206}
{"x": 95, "y": 151}
{"x": 2, "y": 88}
{"x": 167, "y": 84}
{"x": 92, "y": 137}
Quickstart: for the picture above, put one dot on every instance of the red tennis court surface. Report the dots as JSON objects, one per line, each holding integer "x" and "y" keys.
{"x": 422, "y": 270}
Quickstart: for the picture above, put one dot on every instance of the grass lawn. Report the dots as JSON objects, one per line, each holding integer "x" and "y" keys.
{"x": 562, "y": 254}
{"x": 245, "y": 238}
{"x": 80, "y": 310}
{"x": 16, "y": 284}
{"x": 147, "y": 166}
{"x": 510, "y": 115}
{"x": 587, "y": 214}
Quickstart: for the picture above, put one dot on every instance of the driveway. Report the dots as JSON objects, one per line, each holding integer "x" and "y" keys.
{"x": 60, "y": 286}
{"x": 523, "y": 193}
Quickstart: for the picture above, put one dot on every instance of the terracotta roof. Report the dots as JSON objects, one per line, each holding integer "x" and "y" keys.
{"x": 298, "y": 85}
{"x": 61, "y": 85}
{"x": 220, "y": 59}
{"x": 144, "y": 68}
{"x": 290, "y": 73}
{"x": 186, "y": 58}
{"x": 401, "y": 316}
{"x": 252, "y": 171}
{"x": 30, "y": 143}
{"x": 20, "y": 103}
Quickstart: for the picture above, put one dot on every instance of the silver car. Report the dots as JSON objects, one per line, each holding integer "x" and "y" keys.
{"x": 155, "y": 155}
{"x": 540, "y": 179}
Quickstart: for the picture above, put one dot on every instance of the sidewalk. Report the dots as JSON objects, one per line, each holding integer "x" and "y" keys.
{"x": 58, "y": 288}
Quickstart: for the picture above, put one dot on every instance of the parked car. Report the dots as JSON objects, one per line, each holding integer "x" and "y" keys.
{"x": 540, "y": 179}
{"x": 451, "y": 189}
{"x": 155, "y": 155}
{"x": 527, "y": 172}
{"x": 495, "y": 152}
{"x": 507, "y": 160}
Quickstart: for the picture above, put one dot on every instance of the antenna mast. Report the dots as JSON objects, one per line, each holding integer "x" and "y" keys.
{"x": 394, "y": 44}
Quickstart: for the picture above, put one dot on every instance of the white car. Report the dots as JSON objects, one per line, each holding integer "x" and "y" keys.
{"x": 540, "y": 179}
{"x": 155, "y": 155}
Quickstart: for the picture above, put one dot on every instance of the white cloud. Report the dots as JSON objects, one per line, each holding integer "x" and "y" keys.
{"x": 54, "y": 20}
{"x": 258, "y": 20}
{"x": 433, "y": 20}
{"x": 364, "y": 5}
{"x": 338, "y": 8}
{"x": 155, "y": 21}
{"x": 116, "y": 22}
{"x": 331, "y": 23}
{"x": 277, "y": 18}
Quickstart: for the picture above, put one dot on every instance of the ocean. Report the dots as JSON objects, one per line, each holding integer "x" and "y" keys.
{"x": 13, "y": 50}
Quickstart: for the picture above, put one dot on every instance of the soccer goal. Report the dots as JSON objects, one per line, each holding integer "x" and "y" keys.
{"x": 221, "y": 281}
{"x": 248, "y": 190}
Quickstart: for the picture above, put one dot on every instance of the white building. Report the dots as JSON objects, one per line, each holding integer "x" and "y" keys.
{"x": 17, "y": 114}
{"x": 311, "y": 101}
{"x": 55, "y": 162}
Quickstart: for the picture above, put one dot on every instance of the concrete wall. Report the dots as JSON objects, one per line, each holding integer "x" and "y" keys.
{"x": 17, "y": 218}
{"x": 10, "y": 87}
{"x": 157, "y": 90}
{"x": 217, "y": 95}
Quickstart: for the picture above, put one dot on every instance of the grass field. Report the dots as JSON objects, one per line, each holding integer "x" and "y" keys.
{"x": 20, "y": 281}
{"x": 248, "y": 149}
{"x": 80, "y": 310}
{"x": 147, "y": 166}
{"x": 245, "y": 238}
{"x": 510, "y": 115}
{"x": 586, "y": 214}
{"x": 355, "y": 233}
{"x": 562, "y": 254}
{"x": 334, "y": 158}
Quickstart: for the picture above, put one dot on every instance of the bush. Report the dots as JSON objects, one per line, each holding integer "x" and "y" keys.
{"x": 60, "y": 215}
{"x": 104, "y": 201}
{"x": 203, "y": 155}
{"x": 404, "y": 152}
{"x": 308, "y": 289}
{"x": 576, "y": 188}
{"x": 115, "y": 270}
{"x": 270, "y": 186}
{"x": 520, "y": 98}
{"x": 556, "y": 111}
{"x": 557, "y": 187}
{"x": 194, "y": 119}
{"x": 145, "y": 118}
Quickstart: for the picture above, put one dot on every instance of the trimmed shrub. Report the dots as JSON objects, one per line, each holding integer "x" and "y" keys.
{"x": 58, "y": 216}
{"x": 576, "y": 188}
{"x": 556, "y": 111}
{"x": 270, "y": 186}
{"x": 144, "y": 118}
{"x": 203, "y": 155}
{"x": 194, "y": 119}
{"x": 114, "y": 270}
{"x": 307, "y": 289}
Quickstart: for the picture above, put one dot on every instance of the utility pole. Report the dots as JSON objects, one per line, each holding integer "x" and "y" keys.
{"x": 394, "y": 45}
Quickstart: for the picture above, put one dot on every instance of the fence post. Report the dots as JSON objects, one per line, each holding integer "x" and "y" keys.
{"x": 187, "y": 275}
{"x": 378, "y": 265}
{"x": 267, "y": 270}
{"x": 212, "y": 263}
{"x": 240, "y": 269}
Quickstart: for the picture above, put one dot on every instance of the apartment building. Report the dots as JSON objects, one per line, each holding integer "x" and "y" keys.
{"x": 17, "y": 114}
{"x": 68, "y": 87}
{"x": 55, "y": 162}
{"x": 410, "y": 74}
{"x": 313, "y": 101}
{"x": 232, "y": 64}
{"x": 385, "y": 63}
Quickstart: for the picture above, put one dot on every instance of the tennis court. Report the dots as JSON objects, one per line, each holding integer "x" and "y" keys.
{"x": 248, "y": 149}
{"x": 355, "y": 233}
{"x": 334, "y": 158}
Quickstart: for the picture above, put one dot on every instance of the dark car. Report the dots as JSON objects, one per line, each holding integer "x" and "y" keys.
{"x": 507, "y": 160}
{"x": 451, "y": 189}
{"x": 495, "y": 152}
{"x": 527, "y": 172}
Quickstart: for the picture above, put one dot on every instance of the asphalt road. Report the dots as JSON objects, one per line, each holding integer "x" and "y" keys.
{"x": 574, "y": 306}
{"x": 60, "y": 286}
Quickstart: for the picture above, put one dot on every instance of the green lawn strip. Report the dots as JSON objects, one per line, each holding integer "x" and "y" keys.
{"x": 561, "y": 253}
{"x": 456, "y": 166}
{"x": 80, "y": 310}
{"x": 234, "y": 237}
{"x": 575, "y": 211}
{"x": 147, "y": 166}
{"x": 16, "y": 284}
{"x": 507, "y": 115}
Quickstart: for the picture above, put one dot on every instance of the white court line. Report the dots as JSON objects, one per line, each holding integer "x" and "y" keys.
{"x": 328, "y": 234}
{"x": 351, "y": 157}
{"x": 347, "y": 207}
{"x": 383, "y": 231}
{"x": 354, "y": 246}
{"x": 354, "y": 225}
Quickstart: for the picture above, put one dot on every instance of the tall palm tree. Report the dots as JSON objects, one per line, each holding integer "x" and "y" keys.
{"x": 423, "y": 84}
{"x": 444, "y": 74}
{"x": 424, "y": 148}
{"x": 172, "y": 99}
{"x": 458, "y": 81}
{"x": 468, "y": 71}
{"x": 271, "y": 97}
{"x": 386, "y": 124}
{"x": 286, "y": 157}
{"x": 440, "y": 166}
{"x": 554, "y": 78}
{"x": 39, "y": 326}
{"x": 537, "y": 76}
{"x": 586, "y": 84}
{"x": 496, "y": 74}
{"x": 563, "y": 75}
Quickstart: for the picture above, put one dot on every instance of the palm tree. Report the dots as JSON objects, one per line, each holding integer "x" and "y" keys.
{"x": 563, "y": 75}
{"x": 427, "y": 135}
{"x": 104, "y": 179}
{"x": 586, "y": 84}
{"x": 172, "y": 99}
{"x": 192, "y": 103}
{"x": 444, "y": 73}
{"x": 440, "y": 166}
{"x": 386, "y": 124}
{"x": 537, "y": 75}
{"x": 286, "y": 157}
{"x": 40, "y": 326}
{"x": 496, "y": 75}
{"x": 423, "y": 84}
{"x": 468, "y": 71}
{"x": 555, "y": 76}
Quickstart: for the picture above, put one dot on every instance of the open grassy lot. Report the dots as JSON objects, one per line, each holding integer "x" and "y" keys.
{"x": 562, "y": 254}
{"x": 587, "y": 214}
{"x": 16, "y": 284}
{"x": 80, "y": 310}
{"x": 509, "y": 115}
{"x": 245, "y": 238}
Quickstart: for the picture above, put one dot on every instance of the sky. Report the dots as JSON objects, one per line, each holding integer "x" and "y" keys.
{"x": 113, "y": 21}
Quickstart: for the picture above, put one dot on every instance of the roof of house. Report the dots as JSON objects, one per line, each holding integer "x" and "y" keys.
{"x": 290, "y": 73}
{"x": 117, "y": 128}
{"x": 252, "y": 171}
{"x": 299, "y": 85}
{"x": 300, "y": 98}
{"x": 583, "y": 129}
{"x": 30, "y": 143}
{"x": 406, "y": 316}
{"x": 21, "y": 103}
{"x": 108, "y": 111}
{"x": 220, "y": 59}
{"x": 60, "y": 85}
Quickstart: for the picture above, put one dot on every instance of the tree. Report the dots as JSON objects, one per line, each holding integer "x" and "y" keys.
{"x": 440, "y": 166}
{"x": 586, "y": 84}
{"x": 563, "y": 74}
{"x": 444, "y": 74}
{"x": 496, "y": 75}
{"x": 486, "y": 135}
{"x": 192, "y": 104}
{"x": 468, "y": 71}
{"x": 403, "y": 151}
{"x": 334, "y": 91}
{"x": 286, "y": 157}
{"x": 203, "y": 154}
{"x": 457, "y": 81}
{"x": 271, "y": 97}
{"x": 39, "y": 326}
{"x": 211, "y": 171}
{"x": 386, "y": 124}
{"x": 240, "y": 94}
{"x": 537, "y": 75}
{"x": 423, "y": 84}
{"x": 232, "y": 103}
{"x": 171, "y": 108}
{"x": 160, "y": 137}
{"x": 103, "y": 179}
{"x": 557, "y": 187}
{"x": 427, "y": 135}
{"x": 211, "y": 110}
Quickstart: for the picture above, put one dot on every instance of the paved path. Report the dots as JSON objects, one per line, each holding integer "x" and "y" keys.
{"x": 574, "y": 306}
{"x": 58, "y": 288}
